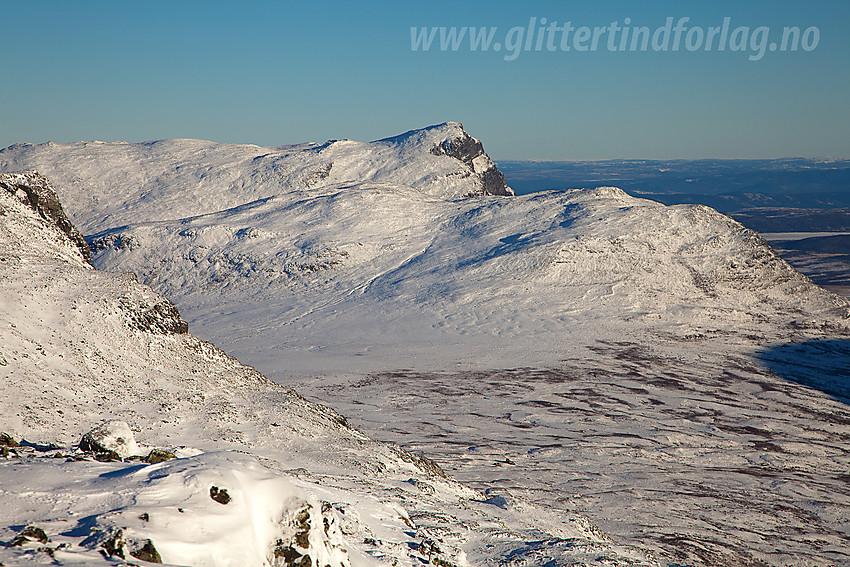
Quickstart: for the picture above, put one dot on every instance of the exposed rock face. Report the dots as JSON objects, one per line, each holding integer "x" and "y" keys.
{"x": 35, "y": 190}
{"x": 493, "y": 182}
{"x": 158, "y": 456}
{"x": 220, "y": 495}
{"x": 470, "y": 151}
{"x": 119, "y": 546}
{"x": 7, "y": 440}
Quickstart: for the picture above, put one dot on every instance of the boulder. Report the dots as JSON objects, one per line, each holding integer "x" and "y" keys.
{"x": 111, "y": 436}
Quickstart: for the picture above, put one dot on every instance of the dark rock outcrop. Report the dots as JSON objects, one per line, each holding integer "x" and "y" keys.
{"x": 493, "y": 182}
{"x": 7, "y": 440}
{"x": 466, "y": 149}
{"x": 159, "y": 456}
{"x": 220, "y": 495}
{"x": 147, "y": 552}
{"x": 159, "y": 318}
{"x": 29, "y": 534}
{"x": 118, "y": 546}
{"x": 36, "y": 191}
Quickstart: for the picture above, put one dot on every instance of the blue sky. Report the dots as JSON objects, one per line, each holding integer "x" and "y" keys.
{"x": 274, "y": 73}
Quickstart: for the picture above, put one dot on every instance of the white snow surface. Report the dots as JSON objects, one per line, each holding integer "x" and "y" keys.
{"x": 490, "y": 331}
{"x": 377, "y": 278}
{"x": 82, "y": 347}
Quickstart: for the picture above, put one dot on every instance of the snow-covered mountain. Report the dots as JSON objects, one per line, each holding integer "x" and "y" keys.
{"x": 347, "y": 255}
{"x": 118, "y": 183}
{"x": 367, "y": 275}
{"x": 263, "y": 477}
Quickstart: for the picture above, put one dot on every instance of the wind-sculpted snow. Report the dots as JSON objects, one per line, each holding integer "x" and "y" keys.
{"x": 226, "y": 467}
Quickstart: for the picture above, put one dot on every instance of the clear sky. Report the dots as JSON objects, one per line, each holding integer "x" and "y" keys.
{"x": 275, "y": 73}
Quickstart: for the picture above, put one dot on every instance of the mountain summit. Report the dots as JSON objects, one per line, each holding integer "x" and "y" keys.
{"x": 450, "y": 139}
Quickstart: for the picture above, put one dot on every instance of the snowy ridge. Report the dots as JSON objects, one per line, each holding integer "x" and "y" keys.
{"x": 81, "y": 346}
{"x": 360, "y": 256}
{"x": 110, "y": 184}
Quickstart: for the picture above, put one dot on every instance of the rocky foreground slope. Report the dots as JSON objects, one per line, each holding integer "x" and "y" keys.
{"x": 262, "y": 476}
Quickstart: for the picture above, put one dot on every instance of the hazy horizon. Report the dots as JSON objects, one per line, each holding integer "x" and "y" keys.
{"x": 540, "y": 80}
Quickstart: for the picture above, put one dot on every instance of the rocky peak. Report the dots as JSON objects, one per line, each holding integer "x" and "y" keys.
{"x": 470, "y": 151}
{"x": 35, "y": 190}
{"x": 450, "y": 139}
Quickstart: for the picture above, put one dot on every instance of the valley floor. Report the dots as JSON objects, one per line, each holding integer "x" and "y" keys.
{"x": 713, "y": 462}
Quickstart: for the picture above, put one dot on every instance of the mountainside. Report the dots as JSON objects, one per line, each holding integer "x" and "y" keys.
{"x": 376, "y": 278}
{"x": 263, "y": 477}
{"x": 657, "y": 367}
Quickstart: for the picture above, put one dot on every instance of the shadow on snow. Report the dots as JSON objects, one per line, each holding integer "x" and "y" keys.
{"x": 820, "y": 364}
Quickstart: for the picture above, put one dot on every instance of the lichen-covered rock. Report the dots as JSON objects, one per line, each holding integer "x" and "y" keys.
{"x": 7, "y": 440}
{"x": 36, "y": 191}
{"x": 118, "y": 545}
{"x": 159, "y": 456}
{"x": 147, "y": 552}
{"x": 111, "y": 436}
{"x": 114, "y": 545}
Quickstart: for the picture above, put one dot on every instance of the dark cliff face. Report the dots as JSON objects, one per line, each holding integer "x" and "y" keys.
{"x": 466, "y": 148}
{"x": 36, "y": 191}
{"x": 494, "y": 183}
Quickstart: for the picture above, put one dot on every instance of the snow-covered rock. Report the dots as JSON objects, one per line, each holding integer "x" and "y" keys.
{"x": 111, "y": 436}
